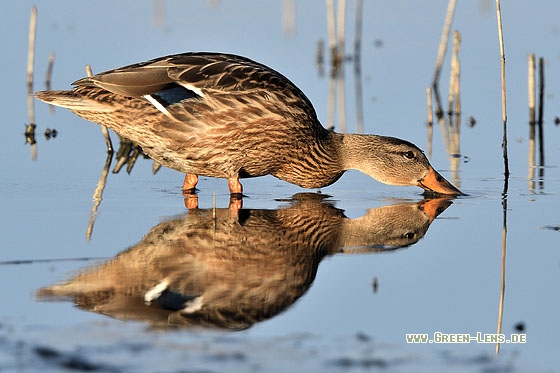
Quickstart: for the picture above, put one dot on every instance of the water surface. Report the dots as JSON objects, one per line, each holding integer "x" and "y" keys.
{"x": 357, "y": 298}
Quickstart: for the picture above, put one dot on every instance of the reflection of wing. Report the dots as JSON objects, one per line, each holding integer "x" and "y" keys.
{"x": 207, "y": 268}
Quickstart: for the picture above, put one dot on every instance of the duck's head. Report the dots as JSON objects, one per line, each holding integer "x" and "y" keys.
{"x": 396, "y": 162}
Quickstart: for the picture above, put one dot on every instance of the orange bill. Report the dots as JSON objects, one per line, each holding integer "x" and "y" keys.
{"x": 436, "y": 183}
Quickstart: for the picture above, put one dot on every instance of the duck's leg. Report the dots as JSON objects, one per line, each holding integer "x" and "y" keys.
{"x": 189, "y": 184}
{"x": 236, "y": 196}
{"x": 235, "y": 187}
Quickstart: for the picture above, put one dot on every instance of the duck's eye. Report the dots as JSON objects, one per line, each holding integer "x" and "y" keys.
{"x": 409, "y": 154}
{"x": 409, "y": 235}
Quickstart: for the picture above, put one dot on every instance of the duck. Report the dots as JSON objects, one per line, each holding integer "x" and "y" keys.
{"x": 226, "y": 116}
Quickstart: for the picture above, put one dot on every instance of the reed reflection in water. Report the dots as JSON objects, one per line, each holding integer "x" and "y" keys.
{"x": 227, "y": 268}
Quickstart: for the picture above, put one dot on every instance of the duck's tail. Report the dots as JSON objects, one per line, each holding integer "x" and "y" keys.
{"x": 73, "y": 101}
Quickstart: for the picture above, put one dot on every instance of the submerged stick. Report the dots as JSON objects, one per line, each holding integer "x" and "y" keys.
{"x": 443, "y": 41}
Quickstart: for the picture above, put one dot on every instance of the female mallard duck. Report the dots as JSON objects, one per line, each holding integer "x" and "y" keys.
{"x": 222, "y": 115}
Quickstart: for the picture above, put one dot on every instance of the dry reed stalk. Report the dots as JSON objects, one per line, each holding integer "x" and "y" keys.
{"x": 455, "y": 107}
{"x": 48, "y": 75}
{"x": 155, "y": 167}
{"x": 289, "y": 17}
{"x": 98, "y": 195}
{"x": 104, "y": 130}
{"x": 541, "y": 114}
{"x": 506, "y": 171}
{"x": 331, "y": 31}
{"x": 358, "y": 67}
{"x": 30, "y": 127}
{"x": 503, "y": 71}
{"x": 532, "y": 121}
{"x": 31, "y": 48}
{"x": 454, "y": 73}
{"x": 158, "y": 13}
{"x": 340, "y": 29}
{"x": 443, "y": 41}
{"x": 502, "y": 273}
{"x": 430, "y": 122}
{"x": 341, "y": 100}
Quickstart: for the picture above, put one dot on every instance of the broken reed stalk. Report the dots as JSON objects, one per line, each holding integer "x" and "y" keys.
{"x": 430, "y": 122}
{"x": 532, "y": 120}
{"x": 541, "y": 113}
{"x": 104, "y": 130}
{"x": 443, "y": 41}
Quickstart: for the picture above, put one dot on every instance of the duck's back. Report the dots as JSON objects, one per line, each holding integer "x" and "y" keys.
{"x": 209, "y": 114}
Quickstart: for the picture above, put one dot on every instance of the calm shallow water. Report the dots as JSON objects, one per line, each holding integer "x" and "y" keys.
{"x": 449, "y": 281}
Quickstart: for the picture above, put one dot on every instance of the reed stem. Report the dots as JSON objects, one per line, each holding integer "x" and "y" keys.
{"x": 506, "y": 172}
{"x": 430, "y": 122}
{"x": 532, "y": 120}
{"x": 503, "y": 71}
{"x": 31, "y": 48}
{"x": 541, "y": 112}
{"x": 443, "y": 41}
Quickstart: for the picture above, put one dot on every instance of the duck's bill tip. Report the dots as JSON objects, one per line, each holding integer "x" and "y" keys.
{"x": 435, "y": 183}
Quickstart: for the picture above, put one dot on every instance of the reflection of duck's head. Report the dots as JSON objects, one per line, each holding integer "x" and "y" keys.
{"x": 393, "y": 226}
{"x": 208, "y": 268}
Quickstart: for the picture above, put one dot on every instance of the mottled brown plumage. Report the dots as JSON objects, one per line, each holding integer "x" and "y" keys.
{"x": 227, "y": 116}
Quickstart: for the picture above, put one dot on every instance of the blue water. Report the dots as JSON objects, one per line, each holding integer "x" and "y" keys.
{"x": 447, "y": 282}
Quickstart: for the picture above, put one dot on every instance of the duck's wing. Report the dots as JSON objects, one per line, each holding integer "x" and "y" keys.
{"x": 172, "y": 79}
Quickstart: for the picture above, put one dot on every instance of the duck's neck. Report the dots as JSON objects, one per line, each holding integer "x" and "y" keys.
{"x": 361, "y": 152}
{"x": 355, "y": 149}
{"x": 328, "y": 158}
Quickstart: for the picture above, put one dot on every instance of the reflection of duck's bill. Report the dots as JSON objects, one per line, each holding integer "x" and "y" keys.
{"x": 434, "y": 182}
{"x": 434, "y": 207}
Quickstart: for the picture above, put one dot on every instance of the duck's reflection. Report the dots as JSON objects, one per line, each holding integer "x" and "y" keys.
{"x": 230, "y": 269}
